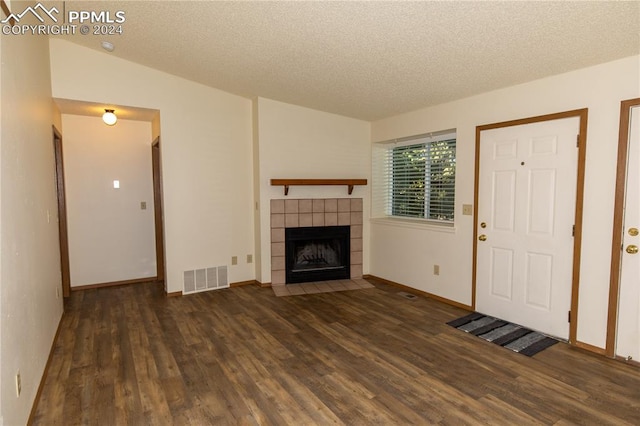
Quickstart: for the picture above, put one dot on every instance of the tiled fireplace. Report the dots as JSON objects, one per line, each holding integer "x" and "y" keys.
{"x": 317, "y": 212}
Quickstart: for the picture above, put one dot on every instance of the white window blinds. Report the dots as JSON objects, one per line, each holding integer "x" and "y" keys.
{"x": 415, "y": 177}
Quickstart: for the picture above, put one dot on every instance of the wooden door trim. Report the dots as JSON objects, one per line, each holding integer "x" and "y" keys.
{"x": 62, "y": 213}
{"x": 582, "y": 114}
{"x": 158, "y": 213}
{"x": 618, "y": 216}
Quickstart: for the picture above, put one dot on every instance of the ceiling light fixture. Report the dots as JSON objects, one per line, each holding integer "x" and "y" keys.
{"x": 108, "y": 46}
{"x": 109, "y": 117}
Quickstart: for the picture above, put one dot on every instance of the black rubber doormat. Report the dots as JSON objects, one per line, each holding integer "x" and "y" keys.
{"x": 503, "y": 333}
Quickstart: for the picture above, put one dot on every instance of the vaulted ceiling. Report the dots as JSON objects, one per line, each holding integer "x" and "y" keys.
{"x": 368, "y": 60}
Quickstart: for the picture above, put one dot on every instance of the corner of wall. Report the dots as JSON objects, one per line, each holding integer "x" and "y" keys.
{"x": 256, "y": 188}
{"x": 29, "y": 251}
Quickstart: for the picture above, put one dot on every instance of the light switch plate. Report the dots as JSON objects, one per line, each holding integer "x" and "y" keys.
{"x": 467, "y": 209}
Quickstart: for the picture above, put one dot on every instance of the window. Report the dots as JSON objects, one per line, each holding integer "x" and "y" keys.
{"x": 415, "y": 177}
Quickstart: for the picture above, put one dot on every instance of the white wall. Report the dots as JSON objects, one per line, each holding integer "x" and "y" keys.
{"x": 29, "y": 252}
{"x": 296, "y": 142}
{"x": 110, "y": 237}
{"x": 206, "y": 154}
{"x": 407, "y": 255}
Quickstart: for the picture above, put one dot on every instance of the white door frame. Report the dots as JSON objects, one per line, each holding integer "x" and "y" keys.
{"x": 618, "y": 223}
{"x": 577, "y": 244}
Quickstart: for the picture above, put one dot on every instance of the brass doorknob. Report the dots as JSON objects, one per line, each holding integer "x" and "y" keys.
{"x": 632, "y": 249}
{"x": 484, "y": 238}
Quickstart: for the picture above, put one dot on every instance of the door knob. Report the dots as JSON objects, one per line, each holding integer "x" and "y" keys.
{"x": 632, "y": 249}
{"x": 484, "y": 238}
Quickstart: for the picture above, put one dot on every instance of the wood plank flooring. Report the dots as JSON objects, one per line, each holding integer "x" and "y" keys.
{"x": 242, "y": 356}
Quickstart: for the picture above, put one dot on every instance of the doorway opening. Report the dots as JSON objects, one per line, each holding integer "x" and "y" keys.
{"x": 105, "y": 182}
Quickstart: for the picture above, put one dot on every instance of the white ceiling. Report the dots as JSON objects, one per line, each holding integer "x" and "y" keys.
{"x": 368, "y": 60}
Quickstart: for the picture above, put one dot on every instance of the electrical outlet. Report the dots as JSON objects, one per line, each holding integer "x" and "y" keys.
{"x": 436, "y": 269}
{"x": 18, "y": 384}
{"x": 143, "y": 205}
{"x": 234, "y": 260}
{"x": 249, "y": 258}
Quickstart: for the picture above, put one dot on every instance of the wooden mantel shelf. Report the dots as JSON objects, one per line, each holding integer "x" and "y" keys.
{"x": 350, "y": 183}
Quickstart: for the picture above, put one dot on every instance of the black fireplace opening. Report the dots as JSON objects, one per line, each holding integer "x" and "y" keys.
{"x": 317, "y": 253}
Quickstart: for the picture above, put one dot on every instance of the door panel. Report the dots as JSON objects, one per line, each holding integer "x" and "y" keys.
{"x": 526, "y": 199}
{"x": 541, "y": 203}
{"x": 501, "y": 273}
{"x": 504, "y": 199}
{"x": 628, "y": 330}
{"x": 539, "y": 279}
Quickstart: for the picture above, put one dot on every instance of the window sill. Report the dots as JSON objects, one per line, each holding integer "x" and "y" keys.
{"x": 415, "y": 224}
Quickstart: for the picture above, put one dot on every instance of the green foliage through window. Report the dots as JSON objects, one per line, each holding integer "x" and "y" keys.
{"x": 423, "y": 180}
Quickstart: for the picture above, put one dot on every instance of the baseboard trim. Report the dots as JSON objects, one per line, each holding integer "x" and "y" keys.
{"x": 45, "y": 373}
{"x": 419, "y": 292}
{"x": 263, "y": 285}
{"x": 627, "y": 361}
{"x": 174, "y": 294}
{"x": 115, "y": 283}
{"x": 243, "y": 283}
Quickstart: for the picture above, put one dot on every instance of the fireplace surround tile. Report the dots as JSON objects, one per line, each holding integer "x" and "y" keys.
{"x": 291, "y": 220}
{"x": 277, "y": 235}
{"x": 331, "y": 219}
{"x": 291, "y": 206}
{"x": 311, "y": 213}
{"x": 305, "y": 219}
{"x": 277, "y": 206}
{"x": 277, "y": 220}
{"x": 278, "y": 278}
{"x": 344, "y": 205}
{"x": 356, "y": 244}
{"x": 277, "y": 249}
{"x": 318, "y": 219}
{"x": 331, "y": 205}
{"x": 344, "y": 218}
{"x": 356, "y": 271}
{"x": 277, "y": 263}
{"x": 305, "y": 206}
{"x": 356, "y": 231}
{"x": 356, "y": 218}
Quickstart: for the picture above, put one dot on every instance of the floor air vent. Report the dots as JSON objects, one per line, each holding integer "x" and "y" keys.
{"x": 407, "y": 295}
{"x": 198, "y": 280}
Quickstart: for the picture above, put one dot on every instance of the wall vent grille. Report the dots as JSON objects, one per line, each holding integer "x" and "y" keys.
{"x": 212, "y": 278}
{"x": 189, "y": 281}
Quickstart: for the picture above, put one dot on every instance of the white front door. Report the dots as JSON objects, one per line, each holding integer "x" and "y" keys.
{"x": 628, "y": 332}
{"x": 526, "y": 210}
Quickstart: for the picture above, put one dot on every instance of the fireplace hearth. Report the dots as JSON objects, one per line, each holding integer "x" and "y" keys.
{"x": 317, "y": 253}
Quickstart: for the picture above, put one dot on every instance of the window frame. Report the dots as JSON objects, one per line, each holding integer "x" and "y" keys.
{"x": 383, "y": 180}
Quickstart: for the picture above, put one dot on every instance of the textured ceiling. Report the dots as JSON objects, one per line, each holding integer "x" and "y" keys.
{"x": 368, "y": 60}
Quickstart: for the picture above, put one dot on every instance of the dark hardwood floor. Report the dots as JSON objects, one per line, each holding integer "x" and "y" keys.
{"x": 128, "y": 355}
